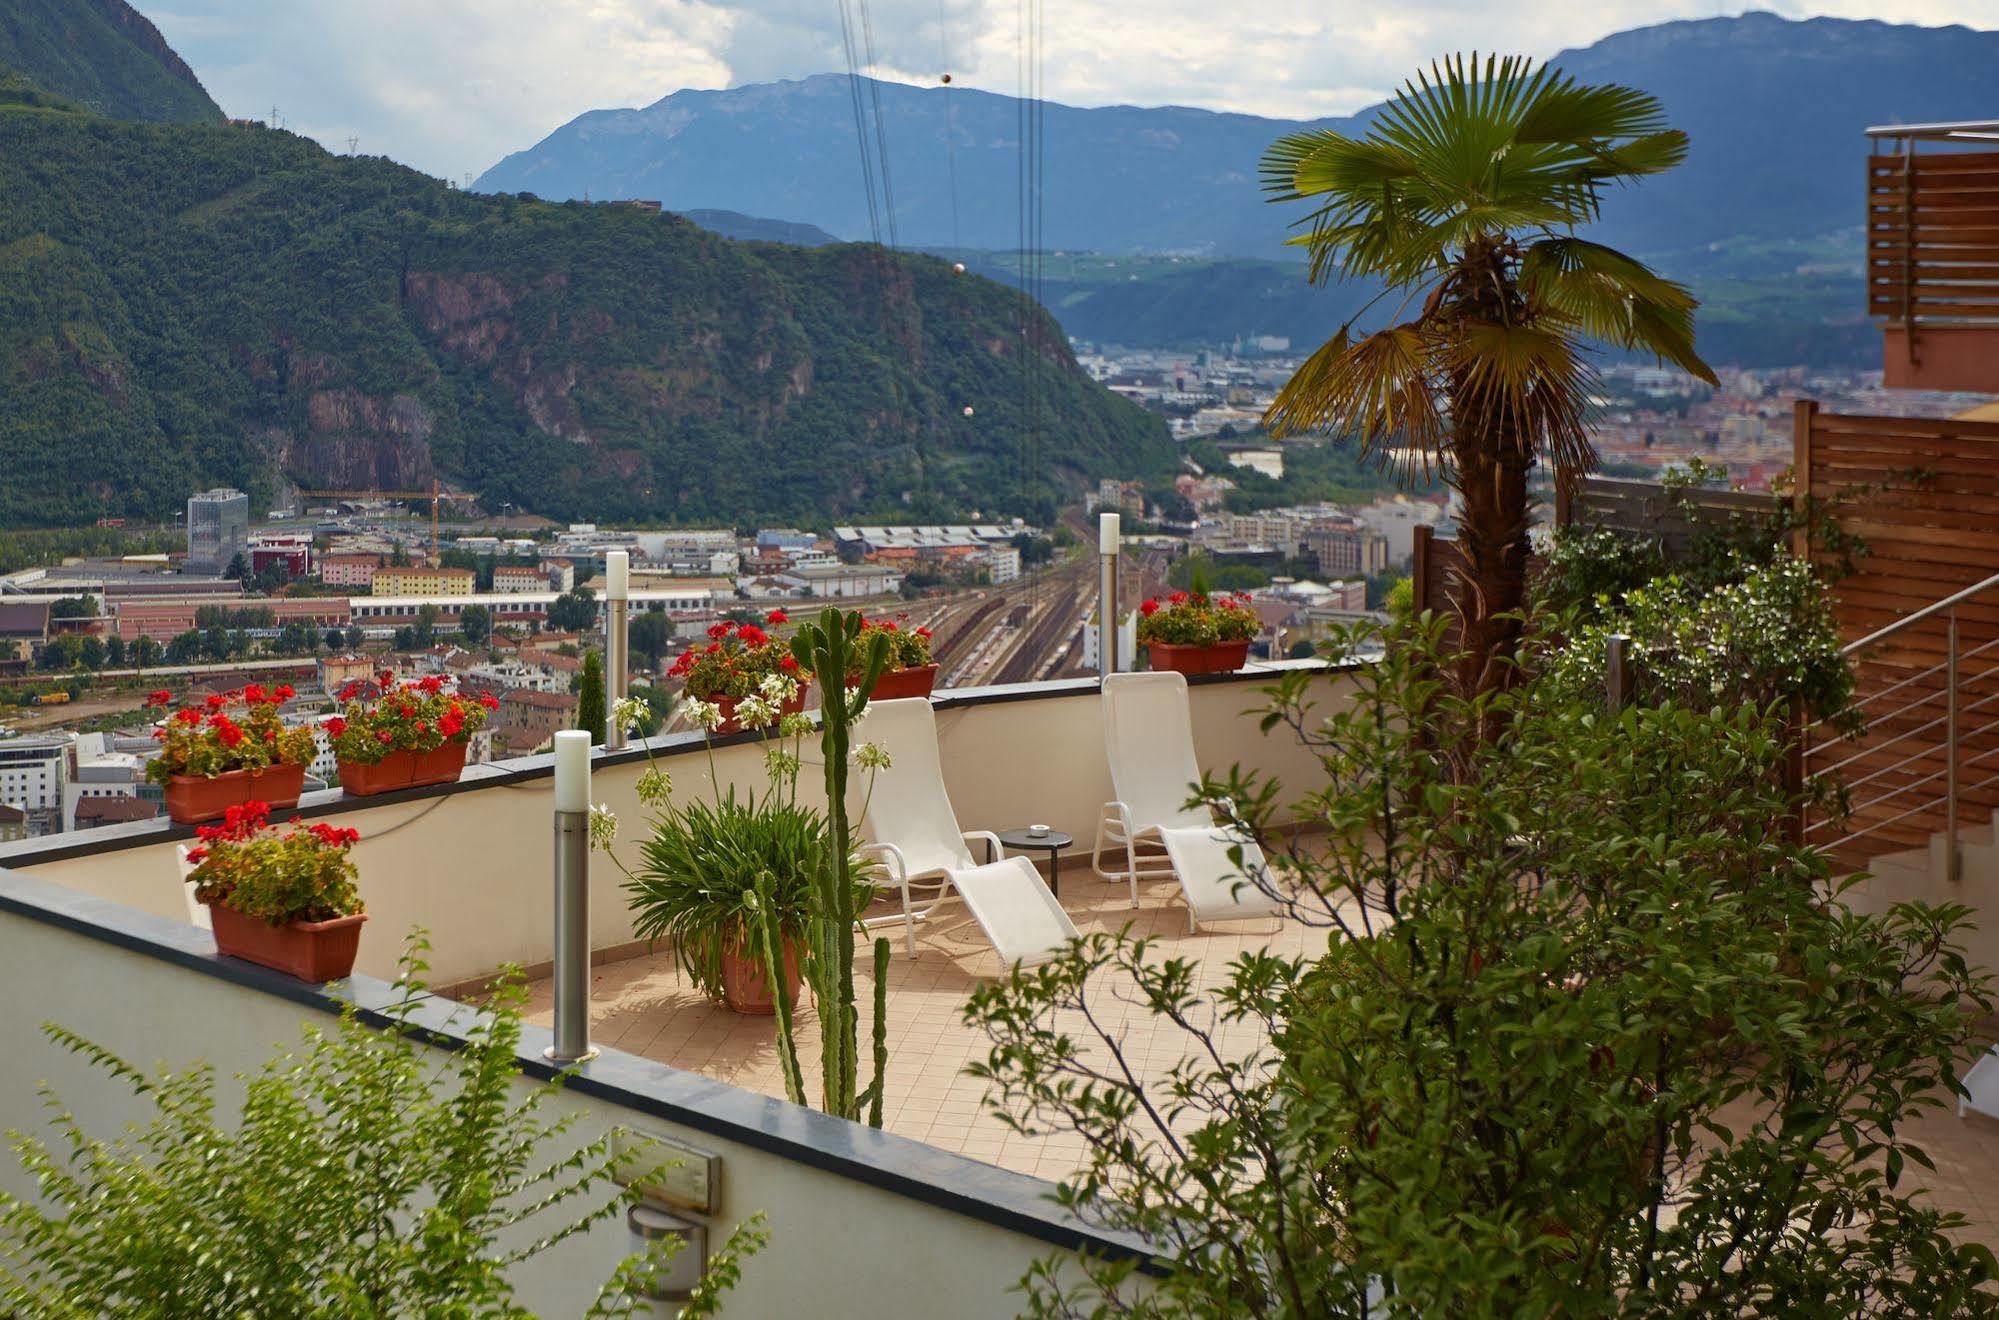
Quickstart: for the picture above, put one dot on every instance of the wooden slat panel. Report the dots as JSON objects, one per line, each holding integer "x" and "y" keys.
{"x": 1927, "y": 538}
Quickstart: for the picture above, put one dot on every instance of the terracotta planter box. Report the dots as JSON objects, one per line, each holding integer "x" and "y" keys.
{"x": 746, "y": 989}
{"x": 1222, "y": 658}
{"x": 310, "y": 950}
{"x": 914, "y": 682}
{"x": 192, "y": 799}
{"x": 403, "y": 770}
{"x": 728, "y": 705}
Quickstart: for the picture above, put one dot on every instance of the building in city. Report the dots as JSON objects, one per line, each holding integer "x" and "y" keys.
{"x": 391, "y": 580}
{"x": 161, "y": 618}
{"x": 349, "y": 570}
{"x": 291, "y": 551}
{"x": 36, "y": 771}
{"x": 842, "y": 581}
{"x": 529, "y": 719}
{"x": 218, "y": 529}
{"x": 513, "y": 579}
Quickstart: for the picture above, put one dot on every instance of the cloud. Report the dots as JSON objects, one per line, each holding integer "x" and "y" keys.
{"x": 450, "y": 86}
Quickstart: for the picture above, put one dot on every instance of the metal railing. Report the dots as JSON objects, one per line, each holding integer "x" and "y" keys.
{"x": 1934, "y": 735}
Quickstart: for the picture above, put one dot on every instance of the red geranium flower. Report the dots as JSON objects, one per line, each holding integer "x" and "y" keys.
{"x": 335, "y": 727}
{"x": 385, "y": 737}
{"x": 216, "y": 701}
{"x": 1150, "y": 608}
{"x": 253, "y": 693}
{"x": 160, "y": 698}
{"x": 777, "y": 616}
{"x": 283, "y": 692}
{"x": 489, "y": 701}
{"x": 720, "y": 628}
{"x": 431, "y": 684}
{"x": 196, "y": 856}
{"x": 788, "y": 663}
{"x": 751, "y": 635}
{"x": 189, "y": 716}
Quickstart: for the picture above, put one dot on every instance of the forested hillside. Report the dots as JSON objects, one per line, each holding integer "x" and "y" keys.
{"x": 187, "y": 305}
{"x": 105, "y": 55}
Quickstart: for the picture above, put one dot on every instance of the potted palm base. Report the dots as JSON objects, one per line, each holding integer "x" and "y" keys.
{"x": 411, "y": 735}
{"x": 281, "y": 900}
{"x": 736, "y": 671}
{"x": 1194, "y": 633}
{"x": 910, "y": 672}
{"x": 231, "y": 749}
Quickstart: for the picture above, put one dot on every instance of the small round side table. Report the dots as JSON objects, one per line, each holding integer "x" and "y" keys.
{"x": 1051, "y": 842}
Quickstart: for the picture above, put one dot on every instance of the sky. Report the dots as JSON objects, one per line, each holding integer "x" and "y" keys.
{"x": 451, "y": 86}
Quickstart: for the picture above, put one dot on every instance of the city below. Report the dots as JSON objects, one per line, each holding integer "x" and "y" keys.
{"x": 344, "y": 587}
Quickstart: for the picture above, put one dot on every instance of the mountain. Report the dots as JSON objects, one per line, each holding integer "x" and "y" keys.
{"x": 1775, "y": 109}
{"x": 102, "y": 54}
{"x": 756, "y": 229}
{"x": 187, "y": 305}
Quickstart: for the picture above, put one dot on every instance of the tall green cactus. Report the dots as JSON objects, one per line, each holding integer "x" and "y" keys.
{"x": 831, "y": 649}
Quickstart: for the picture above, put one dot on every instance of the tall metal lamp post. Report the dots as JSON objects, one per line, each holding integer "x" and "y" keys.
{"x": 617, "y": 641}
{"x": 1107, "y": 612}
{"x": 572, "y": 898}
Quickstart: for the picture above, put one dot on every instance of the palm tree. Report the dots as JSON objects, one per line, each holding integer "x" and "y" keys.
{"x": 1463, "y": 200}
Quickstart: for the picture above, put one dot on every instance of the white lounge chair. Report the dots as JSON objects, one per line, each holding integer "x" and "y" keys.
{"x": 910, "y": 822}
{"x": 1149, "y": 738}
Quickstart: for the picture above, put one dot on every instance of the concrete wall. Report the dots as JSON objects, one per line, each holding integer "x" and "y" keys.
{"x": 840, "y": 1246}
{"x": 472, "y": 866}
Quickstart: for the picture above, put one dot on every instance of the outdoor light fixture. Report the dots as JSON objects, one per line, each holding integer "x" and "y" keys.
{"x": 1108, "y": 533}
{"x": 617, "y": 641}
{"x": 677, "y": 1281}
{"x": 572, "y": 898}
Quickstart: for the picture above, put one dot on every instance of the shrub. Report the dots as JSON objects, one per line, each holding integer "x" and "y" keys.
{"x": 908, "y": 648}
{"x": 368, "y": 1175}
{"x": 1592, "y": 1035}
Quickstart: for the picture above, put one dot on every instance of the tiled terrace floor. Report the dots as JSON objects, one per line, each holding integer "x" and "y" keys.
{"x": 643, "y": 1006}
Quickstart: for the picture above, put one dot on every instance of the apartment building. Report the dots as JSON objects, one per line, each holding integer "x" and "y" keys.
{"x": 414, "y": 581}
{"x": 349, "y": 570}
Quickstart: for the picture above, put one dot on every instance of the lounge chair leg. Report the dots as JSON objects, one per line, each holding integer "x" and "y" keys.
{"x": 908, "y": 922}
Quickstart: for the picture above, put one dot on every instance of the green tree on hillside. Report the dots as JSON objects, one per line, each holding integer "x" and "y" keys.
{"x": 590, "y": 709}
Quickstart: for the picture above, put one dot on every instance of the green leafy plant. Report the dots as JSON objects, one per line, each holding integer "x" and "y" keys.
{"x": 402, "y": 717}
{"x": 590, "y": 713}
{"x": 908, "y": 648}
{"x": 1591, "y": 1035}
{"x": 368, "y": 1175}
{"x": 302, "y": 874}
{"x": 696, "y": 882}
{"x": 1188, "y": 618}
{"x": 738, "y": 659}
{"x": 207, "y": 740}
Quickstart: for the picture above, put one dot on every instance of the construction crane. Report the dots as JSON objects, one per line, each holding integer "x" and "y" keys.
{"x": 436, "y": 495}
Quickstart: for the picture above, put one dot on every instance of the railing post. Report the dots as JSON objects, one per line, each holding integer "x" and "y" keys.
{"x": 1617, "y": 676}
{"x": 1951, "y": 859}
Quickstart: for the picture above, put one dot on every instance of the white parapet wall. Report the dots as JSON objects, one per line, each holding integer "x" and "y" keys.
{"x": 862, "y": 1224}
{"x": 471, "y": 864}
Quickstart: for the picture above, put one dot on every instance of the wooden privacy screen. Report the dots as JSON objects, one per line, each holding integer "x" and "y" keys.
{"x": 1933, "y": 236}
{"x": 1923, "y": 496}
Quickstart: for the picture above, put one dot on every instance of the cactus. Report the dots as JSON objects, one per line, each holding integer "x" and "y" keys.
{"x": 831, "y": 649}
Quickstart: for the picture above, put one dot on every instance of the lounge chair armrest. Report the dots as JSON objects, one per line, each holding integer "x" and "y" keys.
{"x": 998, "y": 850}
{"x": 898, "y": 864}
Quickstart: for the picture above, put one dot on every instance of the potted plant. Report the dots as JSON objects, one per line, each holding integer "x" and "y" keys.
{"x": 910, "y": 672}
{"x": 230, "y": 749}
{"x": 411, "y": 734}
{"x": 283, "y": 900}
{"x": 719, "y": 876}
{"x": 733, "y": 667}
{"x": 1195, "y": 633}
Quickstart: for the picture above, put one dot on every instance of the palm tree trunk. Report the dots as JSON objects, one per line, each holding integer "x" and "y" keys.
{"x": 1490, "y": 461}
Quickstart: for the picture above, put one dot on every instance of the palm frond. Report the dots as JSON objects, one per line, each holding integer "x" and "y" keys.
{"x": 1617, "y": 299}
{"x": 1380, "y": 389}
{"x": 1525, "y": 386}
